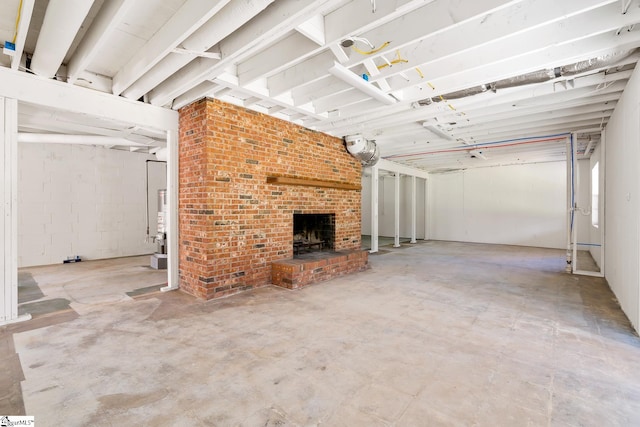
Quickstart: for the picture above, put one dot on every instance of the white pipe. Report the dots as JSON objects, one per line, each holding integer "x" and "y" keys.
{"x": 569, "y": 207}
{"x": 62, "y": 21}
{"x": 359, "y": 83}
{"x": 56, "y": 138}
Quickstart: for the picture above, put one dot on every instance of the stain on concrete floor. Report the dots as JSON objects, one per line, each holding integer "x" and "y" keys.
{"x": 434, "y": 334}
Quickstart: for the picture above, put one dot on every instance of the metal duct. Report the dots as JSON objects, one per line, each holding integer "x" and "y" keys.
{"x": 539, "y": 76}
{"x": 365, "y": 150}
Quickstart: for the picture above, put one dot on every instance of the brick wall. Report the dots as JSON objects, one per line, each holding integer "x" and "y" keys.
{"x": 233, "y": 224}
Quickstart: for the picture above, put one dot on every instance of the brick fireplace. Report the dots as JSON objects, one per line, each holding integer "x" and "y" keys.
{"x": 244, "y": 176}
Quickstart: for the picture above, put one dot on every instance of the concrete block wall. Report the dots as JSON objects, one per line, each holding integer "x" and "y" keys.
{"x": 82, "y": 200}
{"x": 233, "y": 224}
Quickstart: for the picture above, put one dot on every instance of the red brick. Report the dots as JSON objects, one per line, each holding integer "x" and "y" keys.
{"x": 233, "y": 224}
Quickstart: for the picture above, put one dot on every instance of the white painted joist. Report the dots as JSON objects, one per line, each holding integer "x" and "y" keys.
{"x": 230, "y": 81}
{"x": 519, "y": 132}
{"x": 449, "y": 54}
{"x": 506, "y": 110}
{"x": 57, "y": 95}
{"x": 274, "y": 57}
{"x": 392, "y": 166}
{"x": 397, "y": 114}
{"x": 519, "y": 123}
{"x": 262, "y": 31}
{"x": 108, "y": 19}
{"x": 228, "y": 20}
{"x": 584, "y": 86}
{"x": 510, "y": 27}
{"x": 351, "y": 19}
{"x": 339, "y": 99}
{"x": 55, "y": 138}
{"x": 313, "y": 29}
{"x": 21, "y": 32}
{"x": 559, "y": 55}
{"x": 191, "y": 16}
{"x": 54, "y": 38}
{"x": 550, "y": 112}
{"x": 270, "y": 27}
{"x": 318, "y": 89}
{"x": 288, "y": 54}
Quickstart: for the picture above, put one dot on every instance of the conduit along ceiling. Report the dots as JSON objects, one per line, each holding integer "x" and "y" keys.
{"x": 438, "y": 84}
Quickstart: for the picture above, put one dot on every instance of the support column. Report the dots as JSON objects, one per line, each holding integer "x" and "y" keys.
{"x": 172, "y": 214}
{"x": 375, "y": 181}
{"x": 396, "y": 212}
{"x": 9, "y": 212}
{"x": 426, "y": 209}
{"x": 413, "y": 209}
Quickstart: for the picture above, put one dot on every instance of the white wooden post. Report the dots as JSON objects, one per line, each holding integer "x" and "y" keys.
{"x": 396, "y": 211}
{"x": 375, "y": 181}
{"x": 9, "y": 212}
{"x": 413, "y": 209}
{"x": 172, "y": 212}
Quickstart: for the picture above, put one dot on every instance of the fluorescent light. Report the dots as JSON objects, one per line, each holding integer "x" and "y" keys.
{"x": 437, "y": 131}
{"x": 361, "y": 84}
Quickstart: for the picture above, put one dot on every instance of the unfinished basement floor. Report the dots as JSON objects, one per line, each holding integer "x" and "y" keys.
{"x": 433, "y": 334}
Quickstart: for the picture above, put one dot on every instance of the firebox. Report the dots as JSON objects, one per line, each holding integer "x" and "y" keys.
{"x": 313, "y": 232}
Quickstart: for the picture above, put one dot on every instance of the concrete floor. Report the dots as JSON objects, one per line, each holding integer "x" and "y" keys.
{"x": 433, "y": 334}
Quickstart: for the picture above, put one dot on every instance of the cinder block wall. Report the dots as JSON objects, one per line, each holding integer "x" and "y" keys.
{"x": 233, "y": 224}
{"x": 83, "y": 200}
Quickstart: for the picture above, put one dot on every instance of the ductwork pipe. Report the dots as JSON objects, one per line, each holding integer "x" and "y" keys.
{"x": 539, "y": 76}
{"x": 365, "y": 150}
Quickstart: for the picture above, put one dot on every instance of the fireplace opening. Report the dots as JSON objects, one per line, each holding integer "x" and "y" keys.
{"x": 313, "y": 233}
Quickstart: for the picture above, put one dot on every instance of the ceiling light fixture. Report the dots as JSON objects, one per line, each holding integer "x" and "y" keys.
{"x": 344, "y": 74}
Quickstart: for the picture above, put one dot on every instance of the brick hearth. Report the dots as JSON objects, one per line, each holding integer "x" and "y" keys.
{"x": 234, "y": 223}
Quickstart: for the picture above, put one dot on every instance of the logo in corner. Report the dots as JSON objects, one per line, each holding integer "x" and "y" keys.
{"x": 13, "y": 421}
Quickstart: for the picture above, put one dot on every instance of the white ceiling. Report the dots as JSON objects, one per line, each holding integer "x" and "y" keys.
{"x": 285, "y": 58}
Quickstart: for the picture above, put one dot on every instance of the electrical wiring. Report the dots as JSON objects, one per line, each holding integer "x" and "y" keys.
{"x": 372, "y": 51}
{"x": 15, "y": 33}
{"x": 398, "y": 60}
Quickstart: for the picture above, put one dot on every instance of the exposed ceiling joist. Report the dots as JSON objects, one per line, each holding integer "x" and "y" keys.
{"x": 56, "y": 38}
{"x": 191, "y": 16}
{"x": 21, "y": 31}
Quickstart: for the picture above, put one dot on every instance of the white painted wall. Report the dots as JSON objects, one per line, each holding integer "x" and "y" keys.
{"x": 583, "y": 200}
{"x": 622, "y": 200}
{"x": 82, "y": 200}
{"x": 595, "y": 234}
{"x": 386, "y": 206}
{"x": 516, "y": 205}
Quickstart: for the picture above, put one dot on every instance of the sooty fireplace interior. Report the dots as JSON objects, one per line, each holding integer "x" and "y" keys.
{"x": 313, "y": 232}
